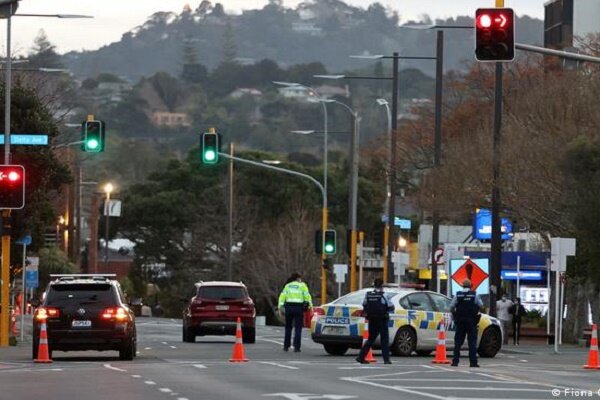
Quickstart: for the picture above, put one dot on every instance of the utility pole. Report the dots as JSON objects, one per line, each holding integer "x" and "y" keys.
{"x": 388, "y": 275}
{"x": 93, "y": 244}
{"x": 230, "y": 216}
{"x": 353, "y": 199}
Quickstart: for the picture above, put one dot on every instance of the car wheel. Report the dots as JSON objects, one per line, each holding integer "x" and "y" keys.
{"x": 249, "y": 334}
{"x": 127, "y": 350}
{"x": 491, "y": 342}
{"x": 424, "y": 353}
{"x": 405, "y": 342}
{"x": 188, "y": 335}
{"x": 335, "y": 349}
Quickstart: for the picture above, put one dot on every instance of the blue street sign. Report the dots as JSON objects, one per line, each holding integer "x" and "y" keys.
{"x": 530, "y": 275}
{"x": 25, "y": 240}
{"x": 33, "y": 139}
{"x": 400, "y": 222}
{"x": 31, "y": 279}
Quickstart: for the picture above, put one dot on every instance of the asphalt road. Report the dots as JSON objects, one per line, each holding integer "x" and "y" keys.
{"x": 166, "y": 368}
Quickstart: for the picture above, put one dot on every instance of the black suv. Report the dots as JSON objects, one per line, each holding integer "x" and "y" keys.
{"x": 85, "y": 312}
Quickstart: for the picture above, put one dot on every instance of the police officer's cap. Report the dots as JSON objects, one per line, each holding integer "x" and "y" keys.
{"x": 466, "y": 283}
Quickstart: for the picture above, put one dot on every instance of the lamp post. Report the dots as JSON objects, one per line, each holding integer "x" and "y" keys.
{"x": 108, "y": 189}
{"x": 386, "y": 231}
{"x": 324, "y": 220}
{"x": 7, "y": 10}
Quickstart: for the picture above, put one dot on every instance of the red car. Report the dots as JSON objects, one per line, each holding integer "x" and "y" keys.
{"x": 214, "y": 309}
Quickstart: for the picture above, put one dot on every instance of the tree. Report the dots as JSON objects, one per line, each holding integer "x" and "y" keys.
{"x": 229, "y": 44}
{"x": 43, "y": 53}
{"x": 192, "y": 71}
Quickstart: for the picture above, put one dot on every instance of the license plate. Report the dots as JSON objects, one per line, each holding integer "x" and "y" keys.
{"x": 222, "y": 308}
{"x": 335, "y": 330}
{"x": 76, "y": 323}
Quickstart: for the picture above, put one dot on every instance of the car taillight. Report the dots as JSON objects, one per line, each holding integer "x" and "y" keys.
{"x": 358, "y": 313}
{"x": 318, "y": 311}
{"x": 44, "y": 313}
{"x": 111, "y": 313}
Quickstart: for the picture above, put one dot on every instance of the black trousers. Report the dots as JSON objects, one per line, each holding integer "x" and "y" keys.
{"x": 468, "y": 329}
{"x": 294, "y": 316}
{"x": 516, "y": 330}
{"x": 377, "y": 326}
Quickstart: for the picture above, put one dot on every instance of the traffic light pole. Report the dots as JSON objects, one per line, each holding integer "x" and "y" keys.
{"x": 324, "y": 210}
{"x": 5, "y": 272}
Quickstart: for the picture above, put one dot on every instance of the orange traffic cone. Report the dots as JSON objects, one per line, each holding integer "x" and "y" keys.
{"x": 440, "y": 349}
{"x": 593, "y": 357}
{"x": 369, "y": 357}
{"x": 43, "y": 353}
{"x": 238, "y": 348}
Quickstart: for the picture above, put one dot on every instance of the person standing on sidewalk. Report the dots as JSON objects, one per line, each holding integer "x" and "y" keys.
{"x": 465, "y": 308}
{"x": 502, "y": 310}
{"x": 294, "y": 299}
{"x": 518, "y": 311}
{"x": 377, "y": 308}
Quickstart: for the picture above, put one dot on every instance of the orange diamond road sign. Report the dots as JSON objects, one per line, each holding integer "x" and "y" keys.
{"x": 470, "y": 270}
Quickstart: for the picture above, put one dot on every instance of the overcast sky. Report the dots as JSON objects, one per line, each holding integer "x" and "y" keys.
{"x": 112, "y": 18}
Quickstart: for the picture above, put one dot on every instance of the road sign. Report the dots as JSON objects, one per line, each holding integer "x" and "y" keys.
{"x": 340, "y": 271}
{"x": 25, "y": 240}
{"x": 476, "y": 270}
{"x": 112, "y": 208}
{"x": 31, "y": 272}
{"x": 27, "y": 140}
{"x": 560, "y": 249}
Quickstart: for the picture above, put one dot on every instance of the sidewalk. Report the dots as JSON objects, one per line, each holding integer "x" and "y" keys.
{"x": 542, "y": 348}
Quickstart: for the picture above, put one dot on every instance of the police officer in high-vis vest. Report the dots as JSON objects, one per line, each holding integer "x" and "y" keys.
{"x": 377, "y": 308}
{"x": 465, "y": 308}
{"x": 294, "y": 299}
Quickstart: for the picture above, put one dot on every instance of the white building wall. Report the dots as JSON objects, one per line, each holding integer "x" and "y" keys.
{"x": 586, "y": 17}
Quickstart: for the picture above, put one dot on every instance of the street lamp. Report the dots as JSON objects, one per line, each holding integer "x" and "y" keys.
{"x": 324, "y": 223}
{"x": 108, "y": 189}
{"x": 388, "y": 192}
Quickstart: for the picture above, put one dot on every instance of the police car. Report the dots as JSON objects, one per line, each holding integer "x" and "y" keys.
{"x": 413, "y": 325}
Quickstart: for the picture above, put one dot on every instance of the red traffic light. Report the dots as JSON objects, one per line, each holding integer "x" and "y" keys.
{"x": 494, "y": 34}
{"x": 12, "y": 187}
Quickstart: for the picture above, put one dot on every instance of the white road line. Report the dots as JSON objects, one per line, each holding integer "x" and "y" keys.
{"x": 523, "y": 360}
{"x": 278, "y": 365}
{"x": 136, "y": 376}
{"x": 147, "y": 348}
{"x": 199, "y": 366}
{"x": 114, "y": 368}
{"x": 150, "y": 382}
{"x": 182, "y": 398}
{"x": 173, "y": 347}
{"x": 271, "y": 340}
{"x": 452, "y": 380}
{"x": 165, "y": 390}
{"x": 396, "y": 388}
{"x": 362, "y": 367}
{"x": 461, "y": 388}
{"x": 427, "y": 366}
{"x": 164, "y": 343}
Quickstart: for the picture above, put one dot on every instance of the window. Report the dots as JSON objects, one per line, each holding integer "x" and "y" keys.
{"x": 404, "y": 303}
{"x": 62, "y": 295}
{"x": 222, "y": 292}
{"x": 351, "y": 298}
{"x": 420, "y": 302}
{"x": 441, "y": 303}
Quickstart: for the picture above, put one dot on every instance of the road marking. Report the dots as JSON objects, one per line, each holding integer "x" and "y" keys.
{"x": 165, "y": 390}
{"x": 362, "y": 367}
{"x": 309, "y": 396}
{"x": 486, "y": 388}
{"x": 523, "y": 360}
{"x": 271, "y": 340}
{"x": 277, "y": 364}
{"x": 451, "y": 380}
{"x": 427, "y": 366}
{"x": 182, "y": 398}
{"x": 147, "y": 348}
{"x": 114, "y": 368}
{"x": 150, "y": 382}
{"x": 173, "y": 347}
{"x": 165, "y": 343}
{"x": 396, "y": 388}
{"x": 199, "y": 366}
{"x": 136, "y": 376}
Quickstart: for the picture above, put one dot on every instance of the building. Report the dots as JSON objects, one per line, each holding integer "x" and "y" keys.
{"x": 567, "y": 20}
{"x": 170, "y": 119}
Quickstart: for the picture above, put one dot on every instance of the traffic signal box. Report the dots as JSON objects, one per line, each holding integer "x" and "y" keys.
{"x": 12, "y": 187}
{"x": 210, "y": 145}
{"x": 92, "y": 136}
{"x": 494, "y": 34}
{"x": 327, "y": 245}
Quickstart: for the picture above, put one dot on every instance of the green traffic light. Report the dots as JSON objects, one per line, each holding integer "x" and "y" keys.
{"x": 329, "y": 248}
{"x": 209, "y": 155}
{"x": 92, "y": 144}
